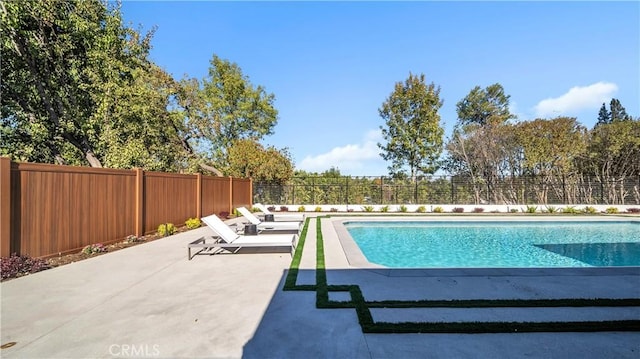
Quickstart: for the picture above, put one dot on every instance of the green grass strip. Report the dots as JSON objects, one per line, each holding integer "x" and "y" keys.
{"x": 368, "y": 325}
{"x": 292, "y": 275}
{"x": 322, "y": 290}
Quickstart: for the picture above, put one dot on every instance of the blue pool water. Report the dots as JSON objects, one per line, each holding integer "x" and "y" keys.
{"x": 507, "y": 244}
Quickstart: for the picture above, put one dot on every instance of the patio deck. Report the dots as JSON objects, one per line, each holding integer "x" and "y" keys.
{"x": 150, "y": 301}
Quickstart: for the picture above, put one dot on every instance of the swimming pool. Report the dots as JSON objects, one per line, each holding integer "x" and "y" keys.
{"x": 498, "y": 244}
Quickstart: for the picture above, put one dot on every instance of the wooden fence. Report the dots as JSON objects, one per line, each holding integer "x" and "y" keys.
{"x": 47, "y": 210}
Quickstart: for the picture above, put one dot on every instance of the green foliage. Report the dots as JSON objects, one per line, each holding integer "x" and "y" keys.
{"x": 612, "y": 210}
{"x": 613, "y": 154}
{"x": 301, "y": 209}
{"x": 438, "y": 210}
{"x": 193, "y": 223}
{"x": 421, "y": 209}
{"x": 618, "y": 112}
{"x": 402, "y": 208}
{"x": 166, "y": 229}
{"x": 318, "y": 209}
{"x": 367, "y": 208}
{"x": 93, "y": 98}
{"x": 604, "y": 116}
{"x": 484, "y": 106}
{"x": 94, "y": 248}
{"x": 570, "y": 210}
{"x": 513, "y": 210}
{"x": 224, "y": 107}
{"x": 552, "y": 209}
{"x": 249, "y": 159}
{"x": 412, "y": 130}
{"x": 384, "y": 209}
{"x": 530, "y": 209}
{"x": 589, "y": 210}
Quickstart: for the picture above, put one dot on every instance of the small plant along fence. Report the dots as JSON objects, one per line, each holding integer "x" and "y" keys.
{"x": 48, "y": 209}
{"x": 448, "y": 190}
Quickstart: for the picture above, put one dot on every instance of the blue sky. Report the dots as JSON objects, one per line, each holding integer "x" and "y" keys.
{"x": 331, "y": 65}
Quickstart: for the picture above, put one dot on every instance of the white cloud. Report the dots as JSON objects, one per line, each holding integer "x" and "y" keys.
{"x": 360, "y": 158}
{"x": 577, "y": 99}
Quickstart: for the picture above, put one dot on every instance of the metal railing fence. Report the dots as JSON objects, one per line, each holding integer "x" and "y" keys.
{"x": 448, "y": 190}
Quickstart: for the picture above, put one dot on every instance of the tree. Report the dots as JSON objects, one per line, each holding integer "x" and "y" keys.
{"x": 482, "y": 144}
{"x": 613, "y": 155}
{"x": 249, "y": 159}
{"x": 618, "y": 112}
{"x": 78, "y": 88}
{"x": 48, "y": 77}
{"x": 550, "y": 149}
{"x": 604, "y": 116}
{"x": 413, "y": 132}
{"x": 222, "y": 108}
{"x": 484, "y": 106}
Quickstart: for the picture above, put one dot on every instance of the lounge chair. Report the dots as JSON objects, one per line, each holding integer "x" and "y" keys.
{"x": 269, "y": 226}
{"x": 227, "y": 239}
{"x": 280, "y": 217}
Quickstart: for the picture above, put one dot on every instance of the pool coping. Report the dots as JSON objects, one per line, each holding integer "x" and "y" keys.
{"x": 357, "y": 259}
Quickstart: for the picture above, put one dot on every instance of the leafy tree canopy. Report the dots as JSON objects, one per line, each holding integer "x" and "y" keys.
{"x": 484, "y": 106}
{"x": 248, "y": 158}
{"x": 413, "y": 133}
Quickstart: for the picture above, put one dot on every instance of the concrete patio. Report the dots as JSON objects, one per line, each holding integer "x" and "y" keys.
{"x": 150, "y": 301}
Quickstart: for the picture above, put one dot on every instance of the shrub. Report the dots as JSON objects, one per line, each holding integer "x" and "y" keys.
{"x": 403, "y": 208}
{"x": 255, "y": 209}
{"x": 633, "y": 210}
{"x": 438, "y": 210}
{"x": 421, "y": 209}
{"x": 271, "y": 208}
{"x": 367, "y": 208}
{"x": 513, "y": 210}
{"x": 333, "y": 209}
{"x": 16, "y": 266}
{"x": 193, "y": 223}
{"x": 384, "y": 209}
{"x": 478, "y": 210}
{"x": 570, "y": 210}
{"x": 284, "y": 209}
{"x": 301, "y": 209}
{"x": 589, "y": 210}
{"x": 530, "y": 209}
{"x": 552, "y": 209}
{"x": 612, "y": 210}
{"x": 457, "y": 210}
{"x": 132, "y": 239}
{"x": 94, "y": 248}
{"x": 223, "y": 215}
{"x": 166, "y": 229}
{"x": 349, "y": 209}
{"x": 318, "y": 209}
